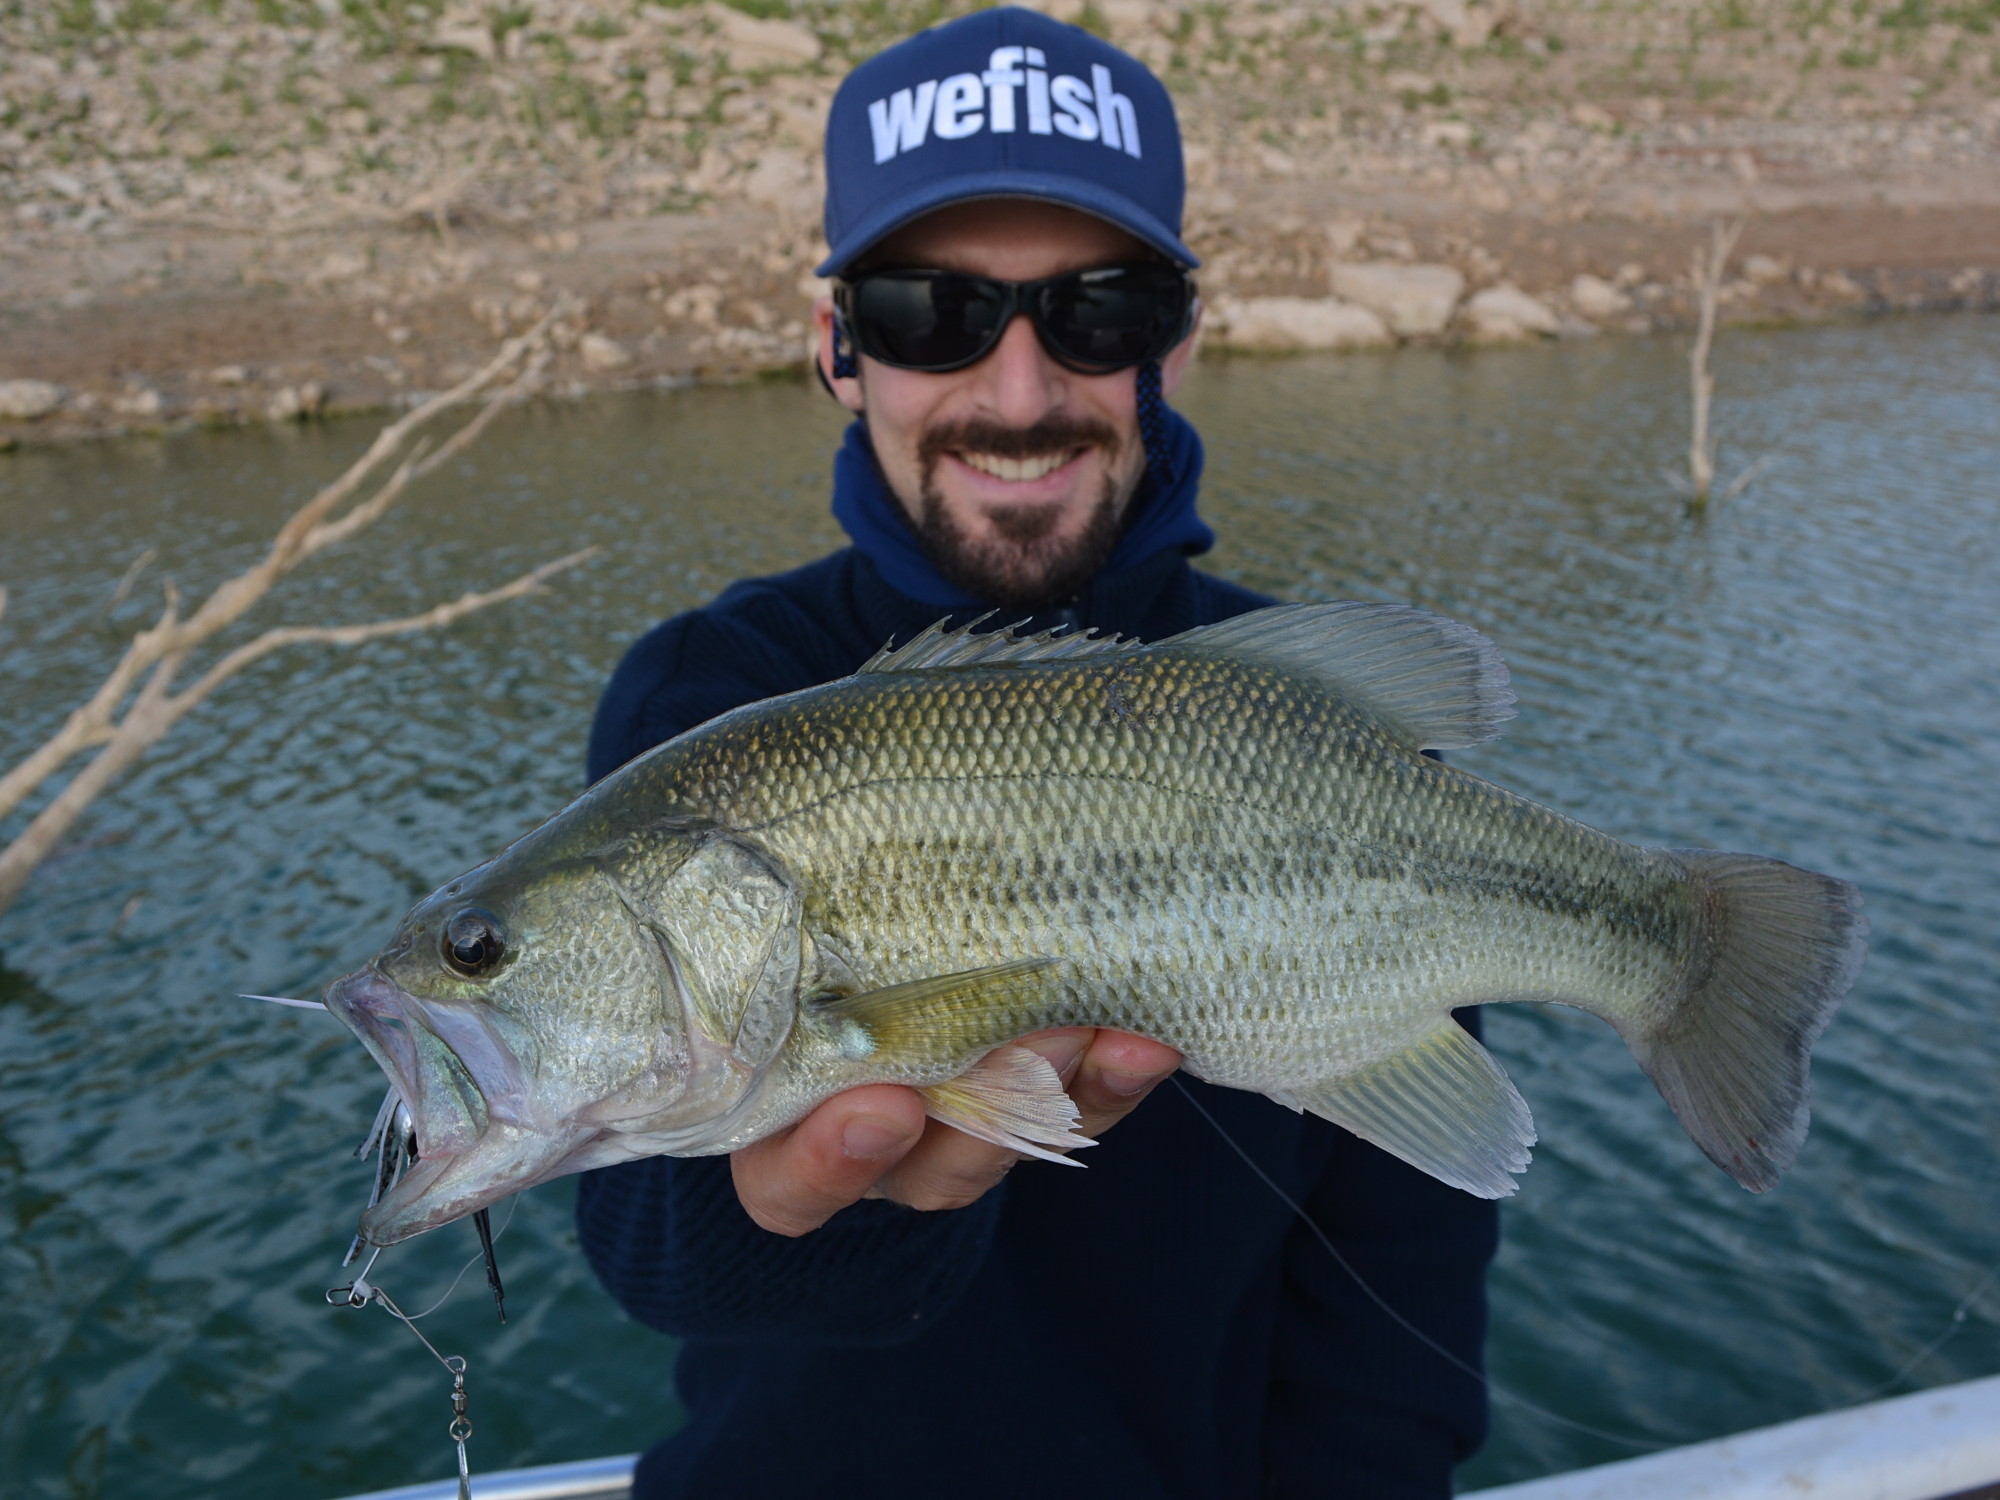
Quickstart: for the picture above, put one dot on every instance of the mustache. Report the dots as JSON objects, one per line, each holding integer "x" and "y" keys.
{"x": 1055, "y": 433}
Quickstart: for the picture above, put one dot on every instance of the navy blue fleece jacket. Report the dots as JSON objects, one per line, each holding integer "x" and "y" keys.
{"x": 1158, "y": 1326}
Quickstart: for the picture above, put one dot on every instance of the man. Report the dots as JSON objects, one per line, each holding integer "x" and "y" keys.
{"x": 875, "y": 1304}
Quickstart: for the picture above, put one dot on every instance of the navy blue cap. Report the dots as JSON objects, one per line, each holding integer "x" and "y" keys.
{"x": 1002, "y": 104}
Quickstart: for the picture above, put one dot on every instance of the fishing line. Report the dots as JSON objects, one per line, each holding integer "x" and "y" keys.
{"x": 360, "y": 1293}
{"x": 1492, "y": 1387}
{"x": 1953, "y": 1327}
{"x": 512, "y": 1204}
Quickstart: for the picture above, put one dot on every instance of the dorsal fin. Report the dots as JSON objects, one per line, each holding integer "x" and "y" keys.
{"x": 939, "y": 647}
{"x": 1433, "y": 683}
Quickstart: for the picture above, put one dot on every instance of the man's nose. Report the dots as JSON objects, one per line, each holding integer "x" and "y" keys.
{"x": 1018, "y": 381}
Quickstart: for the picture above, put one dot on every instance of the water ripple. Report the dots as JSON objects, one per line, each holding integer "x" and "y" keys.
{"x": 1809, "y": 672}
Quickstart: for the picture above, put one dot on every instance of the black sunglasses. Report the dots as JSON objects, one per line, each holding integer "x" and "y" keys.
{"x": 1095, "y": 321}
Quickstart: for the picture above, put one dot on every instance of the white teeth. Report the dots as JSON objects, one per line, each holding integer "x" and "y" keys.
{"x": 1015, "y": 469}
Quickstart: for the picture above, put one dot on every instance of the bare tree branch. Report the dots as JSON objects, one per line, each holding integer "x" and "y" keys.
{"x": 122, "y": 731}
{"x": 156, "y": 710}
{"x": 131, "y": 577}
{"x": 91, "y": 723}
{"x": 353, "y": 635}
{"x": 1707, "y": 274}
{"x": 1751, "y": 470}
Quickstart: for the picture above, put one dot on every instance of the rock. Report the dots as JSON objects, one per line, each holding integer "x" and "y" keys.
{"x": 28, "y": 400}
{"x": 1412, "y": 300}
{"x": 1629, "y": 275}
{"x": 1343, "y": 235}
{"x": 659, "y": 94}
{"x": 1454, "y": 133}
{"x": 600, "y": 353}
{"x": 1276, "y": 324}
{"x": 699, "y": 304}
{"x": 140, "y": 401}
{"x": 1505, "y": 314}
{"x": 782, "y": 179}
{"x": 753, "y": 44}
{"x": 1128, "y": 18}
{"x": 1469, "y": 23}
{"x": 339, "y": 265}
{"x": 465, "y": 37}
{"x": 1389, "y": 244}
{"x": 1766, "y": 270}
{"x": 1842, "y": 288}
{"x": 229, "y": 375}
{"x": 1597, "y": 298}
{"x": 294, "y": 403}
{"x": 1593, "y": 116}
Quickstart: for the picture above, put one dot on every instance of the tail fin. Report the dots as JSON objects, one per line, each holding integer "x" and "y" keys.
{"x": 1775, "y": 949}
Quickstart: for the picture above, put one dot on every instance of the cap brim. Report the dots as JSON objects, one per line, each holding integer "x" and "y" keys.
{"x": 1047, "y": 187}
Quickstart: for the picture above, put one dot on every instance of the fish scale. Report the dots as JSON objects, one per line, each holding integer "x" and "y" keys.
{"x": 1230, "y": 842}
{"x": 886, "y": 859}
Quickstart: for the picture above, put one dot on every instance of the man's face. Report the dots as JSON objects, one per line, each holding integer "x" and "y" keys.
{"x": 1016, "y": 472}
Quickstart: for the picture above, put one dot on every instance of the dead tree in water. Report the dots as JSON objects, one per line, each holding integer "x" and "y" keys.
{"x": 1708, "y": 271}
{"x": 136, "y": 704}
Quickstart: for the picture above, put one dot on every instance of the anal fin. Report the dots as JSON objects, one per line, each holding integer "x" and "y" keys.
{"x": 1013, "y": 1098}
{"x": 1444, "y": 1105}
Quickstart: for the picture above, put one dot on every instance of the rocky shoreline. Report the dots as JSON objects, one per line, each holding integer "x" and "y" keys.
{"x": 263, "y": 210}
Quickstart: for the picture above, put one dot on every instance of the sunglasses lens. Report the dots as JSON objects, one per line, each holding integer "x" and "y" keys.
{"x": 1098, "y": 320}
{"x": 927, "y": 321}
{"x": 1114, "y": 317}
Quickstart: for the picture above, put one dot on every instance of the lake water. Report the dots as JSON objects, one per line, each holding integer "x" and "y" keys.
{"x": 1812, "y": 671}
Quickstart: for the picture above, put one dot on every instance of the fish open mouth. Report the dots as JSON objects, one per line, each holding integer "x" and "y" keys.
{"x": 462, "y": 1081}
{"x": 448, "y": 1108}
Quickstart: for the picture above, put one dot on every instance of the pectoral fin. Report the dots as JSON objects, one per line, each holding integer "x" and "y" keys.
{"x": 1443, "y": 1105}
{"x": 1013, "y": 1098}
{"x": 947, "y": 1012}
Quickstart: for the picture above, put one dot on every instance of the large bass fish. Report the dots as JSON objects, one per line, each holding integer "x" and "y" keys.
{"x": 1229, "y": 841}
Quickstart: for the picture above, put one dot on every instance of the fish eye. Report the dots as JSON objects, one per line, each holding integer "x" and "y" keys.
{"x": 472, "y": 944}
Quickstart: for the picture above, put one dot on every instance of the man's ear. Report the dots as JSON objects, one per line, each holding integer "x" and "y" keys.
{"x": 1176, "y": 362}
{"x": 845, "y": 389}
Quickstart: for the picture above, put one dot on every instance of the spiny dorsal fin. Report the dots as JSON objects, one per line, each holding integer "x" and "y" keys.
{"x": 1433, "y": 683}
{"x": 938, "y": 647}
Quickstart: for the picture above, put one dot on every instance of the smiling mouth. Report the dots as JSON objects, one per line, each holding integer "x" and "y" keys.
{"x": 1017, "y": 470}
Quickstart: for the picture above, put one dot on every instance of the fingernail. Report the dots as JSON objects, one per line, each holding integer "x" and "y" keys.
{"x": 1128, "y": 1084}
{"x": 870, "y": 1137}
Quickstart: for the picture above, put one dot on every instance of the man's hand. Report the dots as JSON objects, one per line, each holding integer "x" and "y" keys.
{"x": 876, "y": 1142}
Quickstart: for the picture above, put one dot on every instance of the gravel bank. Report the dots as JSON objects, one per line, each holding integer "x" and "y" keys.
{"x": 229, "y": 210}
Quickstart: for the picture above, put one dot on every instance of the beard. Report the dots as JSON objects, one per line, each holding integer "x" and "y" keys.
{"x": 1027, "y": 564}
